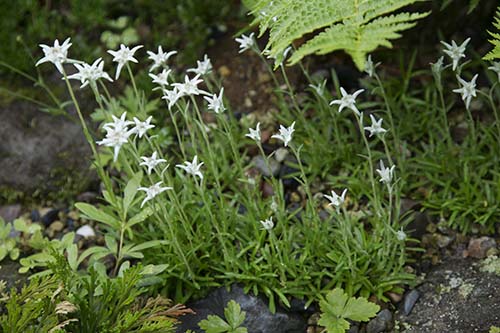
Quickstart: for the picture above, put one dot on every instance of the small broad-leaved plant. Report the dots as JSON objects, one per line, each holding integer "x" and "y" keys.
{"x": 338, "y": 307}
{"x": 8, "y": 245}
{"x": 234, "y": 319}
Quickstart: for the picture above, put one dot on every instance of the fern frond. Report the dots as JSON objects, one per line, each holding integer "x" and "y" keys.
{"x": 358, "y": 40}
{"x": 495, "y": 53}
{"x": 347, "y": 24}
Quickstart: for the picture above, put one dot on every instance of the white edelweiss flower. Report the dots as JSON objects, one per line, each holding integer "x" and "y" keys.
{"x": 386, "y": 174}
{"x": 495, "y": 67}
{"x": 57, "y": 54}
{"x": 274, "y": 205}
{"x": 400, "y": 235}
{"x": 122, "y": 56}
{"x": 151, "y": 162}
{"x": 376, "y": 127}
{"x": 162, "y": 78}
{"x": 437, "y": 67}
{"x": 370, "y": 66}
{"x": 455, "y": 52}
{"x": 189, "y": 87}
{"x": 159, "y": 59}
{"x": 117, "y": 134}
{"x": 335, "y": 199}
{"x": 348, "y": 100}
{"x": 267, "y": 224}
{"x": 285, "y": 134}
{"x": 153, "y": 191}
{"x": 468, "y": 90}
{"x": 319, "y": 88}
{"x": 90, "y": 73}
{"x": 172, "y": 96}
{"x": 193, "y": 168}
{"x": 203, "y": 67}
{"x": 141, "y": 127}
{"x": 254, "y": 133}
{"x": 215, "y": 102}
{"x": 246, "y": 42}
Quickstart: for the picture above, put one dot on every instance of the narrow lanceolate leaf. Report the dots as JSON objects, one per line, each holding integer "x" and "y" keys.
{"x": 95, "y": 214}
{"x": 131, "y": 191}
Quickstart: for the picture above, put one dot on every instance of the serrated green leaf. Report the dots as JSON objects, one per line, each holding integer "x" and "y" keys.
{"x": 214, "y": 324}
{"x": 360, "y": 309}
{"x": 234, "y": 315}
{"x": 334, "y": 325}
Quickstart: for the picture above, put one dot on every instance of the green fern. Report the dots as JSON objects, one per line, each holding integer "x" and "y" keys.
{"x": 356, "y": 26}
{"x": 495, "y": 53}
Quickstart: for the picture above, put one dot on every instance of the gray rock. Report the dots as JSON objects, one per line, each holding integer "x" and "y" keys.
{"x": 409, "y": 302}
{"x": 479, "y": 247}
{"x": 259, "y": 162}
{"x": 258, "y": 317}
{"x": 381, "y": 323}
{"x": 10, "y": 212}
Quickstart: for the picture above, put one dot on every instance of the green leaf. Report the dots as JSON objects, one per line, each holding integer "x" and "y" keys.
{"x": 131, "y": 191}
{"x": 141, "y": 216}
{"x": 234, "y": 315}
{"x": 98, "y": 215}
{"x": 111, "y": 244}
{"x": 214, "y": 324}
{"x": 337, "y": 307}
{"x": 146, "y": 245}
{"x": 72, "y": 251}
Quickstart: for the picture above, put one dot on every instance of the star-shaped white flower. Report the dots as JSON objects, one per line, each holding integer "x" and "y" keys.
{"x": 386, "y": 174}
{"x": 118, "y": 123}
{"x": 348, "y": 100}
{"x": 153, "y": 191}
{"x": 141, "y": 127}
{"x": 190, "y": 86}
{"x": 57, "y": 54}
{"x": 267, "y": 224}
{"x": 90, "y": 73}
{"x": 115, "y": 138}
{"x": 159, "y": 59}
{"x": 151, "y": 162}
{"x": 193, "y": 168}
{"x": 376, "y": 127}
{"x": 254, "y": 134}
{"x": 246, "y": 42}
{"x": 172, "y": 96}
{"x": 215, "y": 102}
{"x": 122, "y": 56}
{"x": 495, "y": 67}
{"x": 455, "y": 52}
{"x": 285, "y": 134}
{"x": 335, "y": 199}
{"x": 468, "y": 90}
{"x": 203, "y": 67}
{"x": 162, "y": 78}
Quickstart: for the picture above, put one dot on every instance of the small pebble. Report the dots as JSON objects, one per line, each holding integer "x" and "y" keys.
{"x": 479, "y": 247}
{"x": 85, "y": 231}
{"x": 57, "y": 226}
{"x": 224, "y": 71}
{"x": 50, "y": 217}
{"x": 443, "y": 241}
{"x": 10, "y": 212}
{"x": 409, "y": 302}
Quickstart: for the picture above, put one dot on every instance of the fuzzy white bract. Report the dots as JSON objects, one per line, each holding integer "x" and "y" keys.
{"x": 285, "y": 134}
{"x": 347, "y": 100}
{"x": 385, "y": 174}
{"x": 495, "y": 67}
{"x": 254, "y": 134}
{"x": 172, "y": 96}
{"x": 376, "y": 127}
{"x": 153, "y": 191}
{"x": 319, "y": 88}
{"x": 89, "y": 74}
{"x": 159, "y": 59}
{"x": 267, "y": 224}
{"x": 192, "y": 168}
{"x": 215, "y": 103}
{"x": 204, "y": 67}
{"x": 152, "y": 161}
{"x": 468, "y": 90}
{"x": 117, "y": 134}
{"x": 335, "y": 199}
{"x": 122, "y": 56}
{"x": 141, "y": 127}
{"x": 162, "y": 78}
{"x": 455, "y": 52}
{"x": 57, "y": 54}
{"x": 246, "y": 42}
{"x": 190, "y": 86}
{"x": 400, "y": 235}
{"x": 370, "y": 66}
